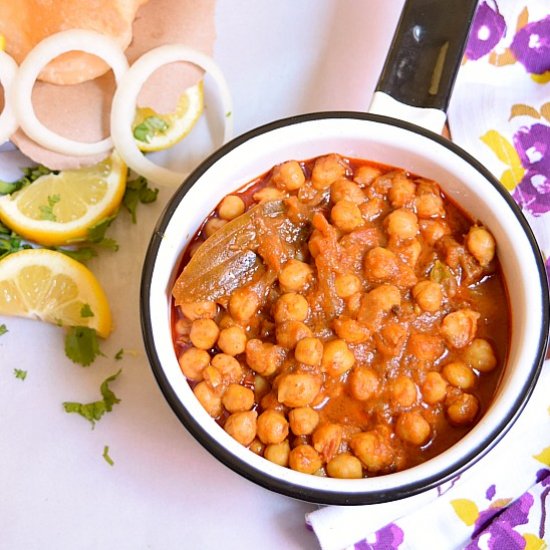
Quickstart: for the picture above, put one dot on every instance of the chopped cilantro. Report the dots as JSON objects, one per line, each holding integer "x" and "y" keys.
{"x": 96, "y": 234}
{"x": 4, "y": 329}
{"x": 82, "y": 254}
{"x": 106, "y": 456}
{"x": 95, "y": 410}
{"x": 21, "y": 374}
{"x": 47, "y": 210}
{"x": 137, "y": 191}
{"x": 29, "y": 175}
{"x": 150, "y": 127}
{"x": 81, "y": 345}
{"x": 228, "y": 114}
{"x": 10, "y": 242}
{"x": 119, "y": 354}
{"x": 439, "y": 272}
{"x": 86, "y": 311}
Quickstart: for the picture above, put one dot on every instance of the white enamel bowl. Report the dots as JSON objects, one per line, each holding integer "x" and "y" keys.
{"x": 390, "y": 142}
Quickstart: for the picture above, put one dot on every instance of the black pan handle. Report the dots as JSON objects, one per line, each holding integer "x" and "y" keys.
{"x": 426, "y": 52}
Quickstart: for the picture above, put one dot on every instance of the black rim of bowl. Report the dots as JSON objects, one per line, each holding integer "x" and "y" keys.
{"x": 320, "y": 496}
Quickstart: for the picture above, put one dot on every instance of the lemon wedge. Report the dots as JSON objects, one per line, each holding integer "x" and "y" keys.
{"x": 50, "y": 286}
{"x": 155, "y": 132}
{"x": 58, "y": 208}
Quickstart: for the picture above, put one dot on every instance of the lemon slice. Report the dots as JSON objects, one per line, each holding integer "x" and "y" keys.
{"x": 155, "y": 132}
{"x": 50, "y": 286}
{"x": 58, "y": 208}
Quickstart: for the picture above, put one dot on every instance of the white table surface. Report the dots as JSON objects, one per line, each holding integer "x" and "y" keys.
{"x": 164, "y": 490}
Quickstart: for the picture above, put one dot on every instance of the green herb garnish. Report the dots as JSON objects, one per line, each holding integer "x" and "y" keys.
{"x": 137, "y": 191}
{"x": 19, "y": 373}
{"x": 119, "y": 354}
{"x": 149, "y": 128}
{"x": 4, "y": 329}
{"x": 439, "y": 272}
{"x": 95, "y": 410}
{"x": 81, "y": 345}
{"x": 86, "y": 311}
{"x": 106, "y": 456}
{"x": 29, "y": 175}
{"x": 47, "y": 210}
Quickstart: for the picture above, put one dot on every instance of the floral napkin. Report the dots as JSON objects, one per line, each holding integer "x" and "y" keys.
{"x": 500, "y": 113}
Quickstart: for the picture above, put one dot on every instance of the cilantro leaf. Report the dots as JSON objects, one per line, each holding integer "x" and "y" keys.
{"x": 119, "y": 354}
{"x": 149, "y": 128}
{"x": 79, "y": 254}
{"x": 137, "y": 191}
{"x": 95, "y": 410}
{"x": 81, "y": 345}
{"x": 106, "y": 456}
{"x": 10, "y": 242}
{"x": 19, "y": 373}
{"x": 47, "y": 210}
{"x": 29, "y": 175}
{"x": 4, "y": 329}
{"x": 86, "y": 311}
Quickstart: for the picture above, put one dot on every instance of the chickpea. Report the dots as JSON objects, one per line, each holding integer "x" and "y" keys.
{"x": 413, "y": 428}
{"x": 481, "y": 245}
{"x": 183, "y": 327}
{"x": 480, "y": 355}
{"x": 402, "y": 224}
{"x": 209, "y": 399}
{"x": 230, "y": 368}
{"x": 346, "y": 216}
{"x": 429, "y": 205}
{"x": 363, "y": 383}
{"x": 347, "y": 285}
{"x": 337, "y": 358}
{"x": 289, "y": 333}
{"x": 428, "y": 295}
{"x": 192, "y": 362}
{"x": 373, "y": 448}
{"x": 373, "y": 208}
{"x": 290, "y": 307}
{"x": 402, "y": 191}
{"x": 237, "y": 398}
{"x": 459, "y": 327}
{"x": 309, "y": 351}
{"x": 263, "y": 357}
{"x": 204, "y": 333}
{"x": 344, "y": 189}
{"x": 270, "y": 401}
{"x": 345, "y": 466}
{"x": 365, "y": 175}
{"x": 213, "y": 225}
{"x": 303, "y": 420}
{"x": 243, "y": 304}
{"x": 391, "y": 339}
{"x": 227, "y": 321}
{"x": 433, "y": 230}
{"x": 278, "y": 453}
{"x": 350, "y": 330}
{"x": 327, "y": 170}
{"x": 272, "y": 427}
{"x": 232, "y": 340}
{"x": 257, "y": 447}
{"x": 380, "y": 264}
{"x": 403, "y": 391}
{"x": 199, "y": 310}
{"x": 460, "y": 375}
{"x": 242, "y": 426}
{"x": 326, "y": 440}
{"x": 426, "y": 347}
{"x": 305, "y": 459}
{"x": 288, "y": 175}
{"x": 231, "y": 207}
{"x": 409, "y": 252}
{"x": 384, "y": 297}
{"x": 268, "y": 194}
{"x": 434, "y": 388}
{"x": 261, "y": 387}
{"x": 463, "y": 409}
{"x": 295, "y": 275}
{"x": 298, "y": 390}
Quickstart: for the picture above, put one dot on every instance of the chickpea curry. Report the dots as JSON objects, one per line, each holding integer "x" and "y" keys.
{"x": 341, "y": 317}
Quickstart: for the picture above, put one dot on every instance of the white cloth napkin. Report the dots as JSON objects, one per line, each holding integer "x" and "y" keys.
{"x": 500, "y": 113}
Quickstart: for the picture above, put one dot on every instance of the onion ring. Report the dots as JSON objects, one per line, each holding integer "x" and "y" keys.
{"x": 124, "y": 107}
{"x": 76, "y": 39}
{"x": 8, "y": 120}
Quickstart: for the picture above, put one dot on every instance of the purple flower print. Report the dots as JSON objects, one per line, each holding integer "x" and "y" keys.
{"x": 389, "y": 537}
{"x": 488, "y": 27}
{"x": 533, "y": 192}
{"x": 531, "y": 46}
